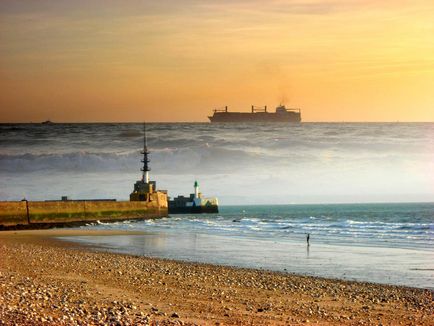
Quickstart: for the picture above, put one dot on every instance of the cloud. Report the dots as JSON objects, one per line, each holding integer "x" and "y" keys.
{"x": 161, "y": 7}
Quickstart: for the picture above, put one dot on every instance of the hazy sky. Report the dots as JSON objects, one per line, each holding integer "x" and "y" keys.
{"x": 107, "y": 60}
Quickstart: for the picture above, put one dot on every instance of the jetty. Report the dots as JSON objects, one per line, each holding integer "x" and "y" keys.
{"x": 196, "y": 203}
{"x": 145, "y": 202}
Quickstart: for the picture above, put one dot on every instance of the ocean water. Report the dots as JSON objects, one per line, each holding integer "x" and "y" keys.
{"x": 292, "y": 174}
{"x": 409, "y": 226}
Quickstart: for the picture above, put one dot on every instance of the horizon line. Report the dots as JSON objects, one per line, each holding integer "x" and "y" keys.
{"x": 207, "y": 122}
{"x": 336, "y": 203}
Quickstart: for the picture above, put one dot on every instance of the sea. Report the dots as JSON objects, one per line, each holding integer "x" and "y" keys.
{"x": 364, "y": 192}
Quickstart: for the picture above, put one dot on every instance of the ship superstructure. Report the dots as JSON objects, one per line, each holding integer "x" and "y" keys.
{"x": 257, "y": 114}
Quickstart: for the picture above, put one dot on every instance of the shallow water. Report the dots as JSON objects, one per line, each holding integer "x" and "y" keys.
{"x": 383, "y": 243}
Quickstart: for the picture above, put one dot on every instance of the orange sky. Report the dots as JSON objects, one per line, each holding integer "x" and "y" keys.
{"x": 176, "y": 60}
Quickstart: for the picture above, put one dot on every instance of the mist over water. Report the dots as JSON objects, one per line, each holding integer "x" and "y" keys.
{"x": 241, "y": 164}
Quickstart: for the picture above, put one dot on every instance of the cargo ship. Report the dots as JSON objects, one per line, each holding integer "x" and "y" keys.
{"x": 257, "y": 114}
{"x": 193, "y": 204}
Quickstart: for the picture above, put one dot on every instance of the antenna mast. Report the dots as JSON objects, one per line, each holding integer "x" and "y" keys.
{"x": 145, "y": 169}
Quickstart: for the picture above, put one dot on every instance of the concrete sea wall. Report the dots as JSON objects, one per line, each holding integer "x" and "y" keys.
{"x": 29, "y": 214}
{"x": 13, "y": 213}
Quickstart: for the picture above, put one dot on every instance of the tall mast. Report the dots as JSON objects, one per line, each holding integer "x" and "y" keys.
{"x": 145, "y": 169}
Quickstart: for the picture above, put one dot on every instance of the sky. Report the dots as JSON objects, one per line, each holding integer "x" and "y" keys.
{"x": 121, "y": 61}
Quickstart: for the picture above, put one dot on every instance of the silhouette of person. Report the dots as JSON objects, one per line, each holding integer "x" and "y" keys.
{"x": 308, "y": 239}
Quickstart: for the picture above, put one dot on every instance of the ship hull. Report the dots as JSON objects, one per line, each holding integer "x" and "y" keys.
{"x": 240, "y": 117}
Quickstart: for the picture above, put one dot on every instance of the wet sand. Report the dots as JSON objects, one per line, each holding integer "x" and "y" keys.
{"x": 47, "y": 281}
{"x": 383, "y": 265}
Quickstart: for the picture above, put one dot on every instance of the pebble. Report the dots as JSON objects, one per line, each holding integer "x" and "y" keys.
{"x": 108, "y": 289}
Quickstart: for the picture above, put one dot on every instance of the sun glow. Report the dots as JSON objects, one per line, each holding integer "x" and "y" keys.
{"x": 130, "y": 61}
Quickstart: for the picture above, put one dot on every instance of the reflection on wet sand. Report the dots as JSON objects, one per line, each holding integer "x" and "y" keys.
{"x": 373, "y": 264}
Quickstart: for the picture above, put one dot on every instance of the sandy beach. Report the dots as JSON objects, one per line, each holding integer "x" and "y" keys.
{"x": 47, "y": 281}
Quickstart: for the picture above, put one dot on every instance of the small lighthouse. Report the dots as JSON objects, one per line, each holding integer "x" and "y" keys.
{"x": 196, "y": 190}
{"x": 195, "y": 203}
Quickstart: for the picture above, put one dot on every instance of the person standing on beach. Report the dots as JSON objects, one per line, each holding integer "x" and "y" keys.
{"x": 307, "y": 239}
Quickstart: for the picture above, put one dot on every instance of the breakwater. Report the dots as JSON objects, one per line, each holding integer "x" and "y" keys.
{"x": 40, "y": 214}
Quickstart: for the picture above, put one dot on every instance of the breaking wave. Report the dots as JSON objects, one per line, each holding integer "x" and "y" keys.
{"x": 171, "y": 160}
{"x": 267, "y": 163}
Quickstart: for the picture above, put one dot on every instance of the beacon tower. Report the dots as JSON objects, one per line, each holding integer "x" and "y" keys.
{"x": 193, "y": 204}
{"x": 144, "y": 187}
{"x": 196, "y": 190}
{"x": 145, "y": 169}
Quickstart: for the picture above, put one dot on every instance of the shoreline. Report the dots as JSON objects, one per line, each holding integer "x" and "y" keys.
{"x": 353, "y": 262}
{"x": 61, "y": 238}
{"x": 54, "y": 281}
